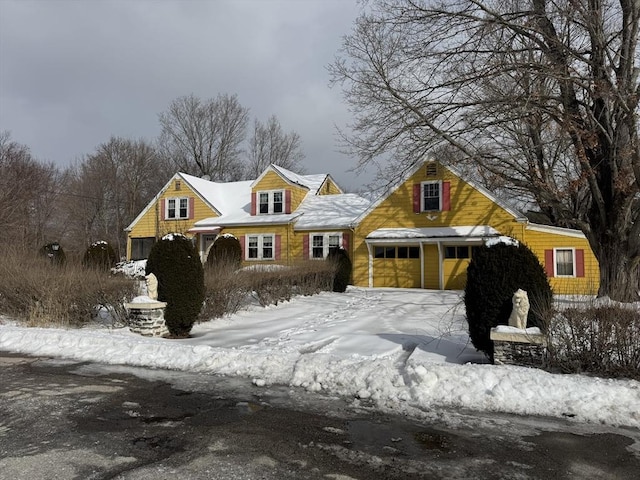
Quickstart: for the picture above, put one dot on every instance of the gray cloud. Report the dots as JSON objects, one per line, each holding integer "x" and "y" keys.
{"x": 73, "y": 73}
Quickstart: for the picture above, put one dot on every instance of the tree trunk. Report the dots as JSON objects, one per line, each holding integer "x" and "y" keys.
{"x": 619, "y": 274}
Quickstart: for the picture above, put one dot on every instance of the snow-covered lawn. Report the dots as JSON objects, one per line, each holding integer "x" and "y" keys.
{"x": 401, "y": 350}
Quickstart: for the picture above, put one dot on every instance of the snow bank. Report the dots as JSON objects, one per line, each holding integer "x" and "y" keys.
{"x": 395, "y": 348}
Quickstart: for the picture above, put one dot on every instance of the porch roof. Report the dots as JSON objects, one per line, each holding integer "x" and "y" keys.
{"x": 405, "y": 235}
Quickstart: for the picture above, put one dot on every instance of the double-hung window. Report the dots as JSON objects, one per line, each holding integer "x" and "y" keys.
{"x": 271, "y": 202}
{"x": 260, "y": 247}
{"x": 177, "y": 208}
{"x": 431, "y": 197}
{"x": 565, "y": 262}
{"x": 321, "y": 243}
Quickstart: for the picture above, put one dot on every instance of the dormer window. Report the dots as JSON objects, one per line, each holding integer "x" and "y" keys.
{"x": 270, "y": 202}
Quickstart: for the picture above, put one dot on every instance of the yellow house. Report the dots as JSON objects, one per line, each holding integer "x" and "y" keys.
{"x": 420, "y": 234}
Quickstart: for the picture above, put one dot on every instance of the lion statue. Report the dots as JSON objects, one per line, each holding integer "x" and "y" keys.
{"x": 518, "y": 317}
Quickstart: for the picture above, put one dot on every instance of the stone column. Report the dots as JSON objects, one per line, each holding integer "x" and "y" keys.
{"x": 147, "y": 318}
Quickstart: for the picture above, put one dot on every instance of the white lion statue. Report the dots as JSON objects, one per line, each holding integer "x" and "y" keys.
{"x": 152, "y": 286}
{"x": 518, "y": 317}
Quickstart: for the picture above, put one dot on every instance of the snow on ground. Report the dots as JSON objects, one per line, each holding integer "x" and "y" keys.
{"x": 398, "y": 349}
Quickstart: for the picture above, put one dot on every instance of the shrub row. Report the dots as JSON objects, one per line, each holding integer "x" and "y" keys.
{"x": 39, "y": 293}
{"x": 601, "y": 340}
{"x": 228, "y": 289}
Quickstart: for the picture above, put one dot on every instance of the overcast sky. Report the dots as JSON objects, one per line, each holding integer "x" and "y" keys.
{"x": 75, "y": 72}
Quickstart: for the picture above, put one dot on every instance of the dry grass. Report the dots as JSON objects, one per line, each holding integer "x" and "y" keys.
{"x": 228, "y": 289}
{"x": 601, "y": 340}
{"x": 39, "y": 293}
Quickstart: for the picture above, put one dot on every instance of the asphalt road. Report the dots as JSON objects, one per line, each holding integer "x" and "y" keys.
{"x": 64, "y": 420}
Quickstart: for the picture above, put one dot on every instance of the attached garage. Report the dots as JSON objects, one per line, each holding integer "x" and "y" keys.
{"x": 434, "y": 258}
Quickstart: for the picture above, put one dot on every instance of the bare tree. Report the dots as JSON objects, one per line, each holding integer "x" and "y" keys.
{"x": 541, "y": 95}
{"x": 109, "y": 188}
{"x": 205, "y": 137}
{"x": 29, "y": 193}
{"x": 269, "y": 144}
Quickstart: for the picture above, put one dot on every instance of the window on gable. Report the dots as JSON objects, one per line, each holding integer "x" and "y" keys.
{"x": 431, "y": 196}
{"x": 565, "y": 262}
{"x": 321, "y": 243}
{"x": 177, "y": 208}
{"x": 271, "y": 202}
{"x": 260, "y": 247}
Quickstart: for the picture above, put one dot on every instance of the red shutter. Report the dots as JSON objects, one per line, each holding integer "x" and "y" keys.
{"x": 163, "y": 210}
{"x": 242, "y": 243}
{"x": 278, "y": 247}
{"x": 305, "y": 247}
{"x": 579, "y": 263}
{"x": 345, "y": 241}
{"x": 253, "y": 203}
{"x": 191, "y": 207}
{"x": 548, "y": 262}
{"x": 446, "y": 196}
{"x": 287, "y": 201}
{"x": 416, "y": 198}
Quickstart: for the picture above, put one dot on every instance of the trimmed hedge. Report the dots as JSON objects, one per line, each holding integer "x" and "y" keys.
{"x": 174, "y": 260}
{"x": 493, "y": 276}
{"x": 99, "y": 255}
{"x": 343, "y": 268}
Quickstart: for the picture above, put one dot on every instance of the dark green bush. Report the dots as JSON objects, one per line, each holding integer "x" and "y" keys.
{"x": 176, "y": 263}
{"x": 226, "y": 252}
{"x": 343, "y": 268}
{"x": 99, "y": 255}
{"x": 493, "y": 276}
{"x": 54, "y": 252}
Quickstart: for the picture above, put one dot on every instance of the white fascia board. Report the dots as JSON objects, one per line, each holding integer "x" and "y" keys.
{"x": 567, "y": 232}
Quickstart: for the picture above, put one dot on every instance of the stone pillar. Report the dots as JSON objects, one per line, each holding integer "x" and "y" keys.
{"x": 147, "y": 318}
{"x": 516, "y": 346}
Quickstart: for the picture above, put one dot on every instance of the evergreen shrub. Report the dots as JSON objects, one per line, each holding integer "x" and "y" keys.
{"x": 343, "y": 268}
{"x": 54, "y": 252}
{"x": 99, "y": 255}
{"x": 225, "y": 252}
{"x": 494, "y": 274}
{"x": 174, "y": 260}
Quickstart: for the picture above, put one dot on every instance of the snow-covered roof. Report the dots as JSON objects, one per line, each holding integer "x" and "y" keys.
{"x": 330, "y": 211}
{"x": 312, "y": 182}
{"x": 471, "y": 231}
{"x": 244, "y": 217}
{"x": 225, "y": 197}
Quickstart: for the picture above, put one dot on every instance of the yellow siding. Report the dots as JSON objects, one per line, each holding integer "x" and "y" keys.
{"x": 538, "y": 242}
{"x": 151, "y": 224}
{"x": 273, "y": 181}
{"x": 329, "y": 187}
{"x": 455, "y": 273}
{"x": 285, "y": 241}
{"x": 468, "y": 207}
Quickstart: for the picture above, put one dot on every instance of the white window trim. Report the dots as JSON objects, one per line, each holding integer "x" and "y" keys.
{"x": 431, "y": 182}
{"x": 325, "y": 243}
{"x": 555, "y": 262}
{"x": 261, "y": 237}
{"x": 177, "y": 200}
{"x": 270, "y": 202}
